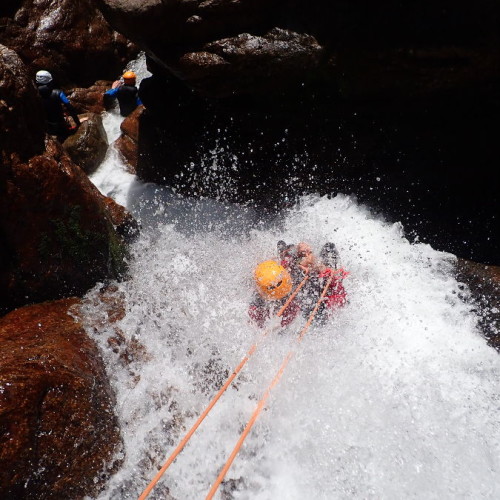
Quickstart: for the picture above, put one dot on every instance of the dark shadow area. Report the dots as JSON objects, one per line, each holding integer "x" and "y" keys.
{"x": 431, "y": 163}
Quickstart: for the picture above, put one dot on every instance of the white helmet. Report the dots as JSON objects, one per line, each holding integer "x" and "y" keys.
{"x": 43, "y": 77}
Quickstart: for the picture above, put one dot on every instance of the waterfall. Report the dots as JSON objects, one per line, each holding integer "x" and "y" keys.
{"x": 395, "y": 397}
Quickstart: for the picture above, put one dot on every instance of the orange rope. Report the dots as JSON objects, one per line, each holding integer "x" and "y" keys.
{"x": 292, "y": 296}
{"x": 263, "y": 400}
{"x": 212, "y": 403}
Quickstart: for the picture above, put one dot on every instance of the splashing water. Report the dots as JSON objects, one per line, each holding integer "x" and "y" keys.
{"x": 396, "y": 397}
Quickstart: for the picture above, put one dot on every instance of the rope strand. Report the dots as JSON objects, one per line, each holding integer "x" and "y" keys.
{"x": 261, "y": 403}
{"x": 212, "y": 403}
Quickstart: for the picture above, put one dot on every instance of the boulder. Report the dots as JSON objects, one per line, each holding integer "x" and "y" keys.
{"x": 249, "y": 64}
{"x": 368, "y": 50}
{"x": 70, "y": 39}
{"x": 59, "y": 431}
{"x": 21, "y": 115}
{"x": 58, "y": 235}
{"x": 89, "y": 100}
{"x": 126, "y": 226}
{"x": 127, "y": 148}
{"x": 128, "y": 142}
{"x": 88, "y": 145}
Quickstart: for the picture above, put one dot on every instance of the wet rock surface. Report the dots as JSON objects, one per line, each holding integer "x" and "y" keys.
{"x": 128, "y": 142}
{"x": 89, "y": 100}
{"x": 70, "y": 39}
{"x": 88, "y": 145}
{"x": 59, "y": 431}
{"x": 249, "y": 64}
{"x": 62, "y": 229}
{"x": 58, "y": 232}
{"x": 21, "y": 114}
{"x": 361, "y": 48}
{"x": 126, "y": 226}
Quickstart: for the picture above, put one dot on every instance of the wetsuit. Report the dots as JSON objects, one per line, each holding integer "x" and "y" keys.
{"x": 128, "y": 98}
{"x": 54, "y": 101}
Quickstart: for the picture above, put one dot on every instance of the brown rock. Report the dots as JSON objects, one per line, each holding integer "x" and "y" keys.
{"x": 59, "y": 431}
{"x": 130, "y": 125}
{"x": 128, "y": 152}
{"x": 89, "y": 100}
{"x": 71, "y": 40}
{"x": 21, "y": 115}
{"x": 128, "y": 142}
{"x": 123, "y": 221}
{"x": 58, "y": 235}
{"x": 251, "y": 64}
{"x": 88, "y": 145}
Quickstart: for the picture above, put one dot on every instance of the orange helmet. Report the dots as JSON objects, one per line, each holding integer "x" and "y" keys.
{"x": 129, "y": 76}
{"x": 273, "y": 280}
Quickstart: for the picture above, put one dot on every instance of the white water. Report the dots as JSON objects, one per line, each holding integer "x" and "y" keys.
{"x": 396, "y": 398}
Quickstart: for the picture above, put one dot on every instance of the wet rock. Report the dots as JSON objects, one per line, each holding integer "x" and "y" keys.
{"x": 248, "y": 64}
{"x": 89, "y": 100}
{"x": 130, "y": 125}
{"x": 127, "y": 148}
{"x": 58, "y": 234}
{"x": 59, "y": 431}
{"x": 126, "y": 226}
{"x": 483, "y": 282}
{"x": 128, "y": 142}
{"x": 21, "y": 114}
{"x": 368, "y": 50}
{"x": 70, "y": 39}
{"x": 88, "y": 145}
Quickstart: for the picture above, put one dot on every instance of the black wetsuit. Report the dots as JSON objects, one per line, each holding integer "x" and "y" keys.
{"x": 128, "y": 98}
{"x": 54, "y": 101}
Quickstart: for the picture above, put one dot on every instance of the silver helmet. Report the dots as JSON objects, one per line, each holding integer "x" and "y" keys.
{"x": 43, "y": 77}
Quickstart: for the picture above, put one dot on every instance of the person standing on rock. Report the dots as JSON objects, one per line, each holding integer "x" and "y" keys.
{"x": 126, "y": 92}
{"x": 56, "y": 106}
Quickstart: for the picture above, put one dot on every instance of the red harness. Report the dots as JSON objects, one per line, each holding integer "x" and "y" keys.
{"x": 336, "y": 295}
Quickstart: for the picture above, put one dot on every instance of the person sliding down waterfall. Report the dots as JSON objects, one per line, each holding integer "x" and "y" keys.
{"x": 126, "y": 92}
{"x": 274, "y": 284}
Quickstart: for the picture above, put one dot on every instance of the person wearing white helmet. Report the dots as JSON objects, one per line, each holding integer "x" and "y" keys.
{"x": 56, "y": 105}
{"x": 43, "y": 77}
